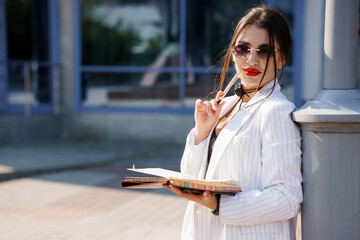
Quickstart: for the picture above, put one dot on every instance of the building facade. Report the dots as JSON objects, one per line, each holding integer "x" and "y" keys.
{"x": 114, "y": 70}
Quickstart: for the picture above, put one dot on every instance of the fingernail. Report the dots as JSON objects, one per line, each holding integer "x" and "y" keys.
{"x": 209, "y": 113}
{"x": 206, "y": 193}
{"x": 215, "y": 107}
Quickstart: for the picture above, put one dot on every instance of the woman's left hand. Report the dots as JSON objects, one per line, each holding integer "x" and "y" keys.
{"x": 206, "y": 198}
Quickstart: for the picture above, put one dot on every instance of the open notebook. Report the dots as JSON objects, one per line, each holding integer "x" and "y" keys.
{"x": 184, "y": 182}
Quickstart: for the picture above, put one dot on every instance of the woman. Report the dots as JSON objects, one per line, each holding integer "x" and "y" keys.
{"x": 250, "y": 138}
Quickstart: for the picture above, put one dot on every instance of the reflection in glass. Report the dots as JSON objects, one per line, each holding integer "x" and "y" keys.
{"x": 27, "y": 29}
{"x": 130, "y": 32}
{"x": 29, "y": 80}
{"x": 130, "y": 89}
{"x": 286, "y": 8}
{"x": 287, "y": 87}
{"x": 209, "y": 28}
{"x": 138, "y": 33}
{"x": 203, "y": 86}
{"x": 199, "y": 85}
{"x": 28, "y": 84}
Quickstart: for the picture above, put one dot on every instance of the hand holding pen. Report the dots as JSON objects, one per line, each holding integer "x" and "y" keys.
{"x": 207, "y": 113}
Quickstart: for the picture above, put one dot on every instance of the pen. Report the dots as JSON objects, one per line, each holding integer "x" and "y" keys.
{"x": 233, "y": 80}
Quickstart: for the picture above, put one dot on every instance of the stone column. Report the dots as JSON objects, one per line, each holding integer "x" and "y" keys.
{"x": 330, "y": 125}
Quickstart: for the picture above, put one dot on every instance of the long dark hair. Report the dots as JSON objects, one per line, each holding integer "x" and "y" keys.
{"x": 278, "y": 30}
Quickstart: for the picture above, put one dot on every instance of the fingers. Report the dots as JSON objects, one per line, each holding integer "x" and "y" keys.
{"x": 209, "y": 200}
{"x": 206, "y": 195}
{"x": 219, "y": 95}
{"x": 200, "y": 104}
{"x": 174, "y": 189}
{"x": 189, "y": 196}
{"x": 180, "y": 193}
{"x": 204, "y": 107}
{"x": 211, "y": 107}
{"x": 213, "y": 104}
{"x": 206, "y": 198}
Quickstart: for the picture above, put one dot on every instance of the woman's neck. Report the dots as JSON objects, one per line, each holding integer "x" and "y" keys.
{"x": 247, "y": 97}
{"x": 251, "y": 91}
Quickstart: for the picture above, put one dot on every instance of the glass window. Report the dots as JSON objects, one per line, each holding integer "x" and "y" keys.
{"x": 130, "y": 89}
{"x": 287, "y": 87}
{"x": 27, "y": 29}
{"x": 136, "y": 34}
{"x": 134, "y": 52}
{"x": 210, "y": 25}
{"x": 130, "y": 32}
{"x": 209, "y": 29}
{"x": 28, "y": 52}
{"x": 286, "y": 8}
{"x": 199, "y": 85}
{"x": 28, "y": 84}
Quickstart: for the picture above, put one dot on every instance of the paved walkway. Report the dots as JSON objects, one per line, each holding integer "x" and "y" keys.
{"x": 72, "y": 191}
{"x": 36, "y": 209}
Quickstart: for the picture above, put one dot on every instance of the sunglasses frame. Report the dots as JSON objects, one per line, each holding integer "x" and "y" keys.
{"x": 236, "y": 54}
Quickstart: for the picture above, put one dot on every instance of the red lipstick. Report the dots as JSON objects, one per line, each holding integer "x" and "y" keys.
{"x": 251, "y": 72}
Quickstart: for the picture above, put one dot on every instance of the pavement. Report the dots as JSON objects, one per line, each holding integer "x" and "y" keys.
{"x": 64, "y": 190}
{"x": 71, "y": 190}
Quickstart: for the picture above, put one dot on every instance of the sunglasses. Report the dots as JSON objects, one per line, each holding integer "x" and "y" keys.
{"x": 243, "y": 51}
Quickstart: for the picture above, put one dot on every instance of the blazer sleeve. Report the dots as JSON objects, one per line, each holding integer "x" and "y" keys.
{"x": 193, "y": 155}
{"x": 281, "y": 177}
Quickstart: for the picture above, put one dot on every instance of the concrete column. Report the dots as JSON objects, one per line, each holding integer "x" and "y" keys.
{"x": 330, "y": 126}
{"x": 67, "y": 50}
{"x": 67, "y": 54}
{"x": 313, "y": 40}
{"x": 340, "y": 45}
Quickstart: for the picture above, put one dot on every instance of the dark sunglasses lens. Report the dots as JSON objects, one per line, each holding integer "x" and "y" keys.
{"x": 241, "y": 50}
{"x": 265, "y": 51}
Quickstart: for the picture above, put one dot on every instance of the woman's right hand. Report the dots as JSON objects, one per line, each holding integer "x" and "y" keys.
{"x": 206, "y": 115}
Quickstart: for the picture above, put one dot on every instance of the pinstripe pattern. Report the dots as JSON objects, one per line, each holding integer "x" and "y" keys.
{"x": 260, "y": 148}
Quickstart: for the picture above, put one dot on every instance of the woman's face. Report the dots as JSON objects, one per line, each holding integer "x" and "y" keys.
{"x": 251, "y": 68}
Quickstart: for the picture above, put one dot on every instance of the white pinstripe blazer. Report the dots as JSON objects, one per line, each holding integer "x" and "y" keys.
{"x": 261, "y": 149}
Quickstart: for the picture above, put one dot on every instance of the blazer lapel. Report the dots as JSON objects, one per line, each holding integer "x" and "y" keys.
{"x": 224, "y": 138}
{"x": 235, "y": 124}
{"x": 229, "y": 103}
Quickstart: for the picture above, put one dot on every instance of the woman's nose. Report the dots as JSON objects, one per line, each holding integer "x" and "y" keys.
{"x": 252, "y": 58}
